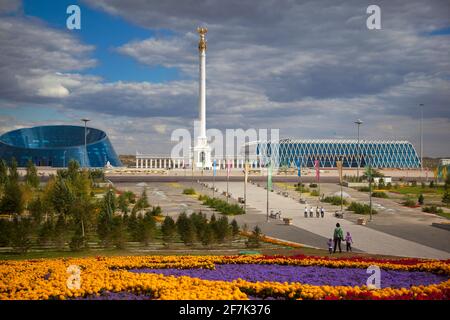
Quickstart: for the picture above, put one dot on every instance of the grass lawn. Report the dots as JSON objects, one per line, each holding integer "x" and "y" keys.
{"x": 417, "y": 190}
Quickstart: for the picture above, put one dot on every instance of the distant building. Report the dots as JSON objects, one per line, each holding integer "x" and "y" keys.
{"x": 380, "y": 154}
{"x": 55, "y": 146}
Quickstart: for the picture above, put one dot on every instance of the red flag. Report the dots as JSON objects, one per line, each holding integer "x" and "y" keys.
{"x": 229, "y": 166}
{"x": 317, "y": 166}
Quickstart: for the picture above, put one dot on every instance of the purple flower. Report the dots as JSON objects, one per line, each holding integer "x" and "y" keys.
{"x": 313, "y": 275}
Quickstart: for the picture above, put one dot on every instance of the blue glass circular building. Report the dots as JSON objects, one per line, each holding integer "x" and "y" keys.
{"x": 55, "y": 146}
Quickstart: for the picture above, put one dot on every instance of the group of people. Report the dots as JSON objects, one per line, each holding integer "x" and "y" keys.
{"x": 319, "y": 212}
{"x": 338, "y": 236}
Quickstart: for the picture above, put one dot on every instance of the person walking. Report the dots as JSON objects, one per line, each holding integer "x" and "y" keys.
{"x": 322, "y": 212}
{"x": 306, "y": 212}
{"x": 348, "y": 242}
{"x": 317, "y": 212}
{"x": 311, "y": 212}
{"x": 338, "y": 236}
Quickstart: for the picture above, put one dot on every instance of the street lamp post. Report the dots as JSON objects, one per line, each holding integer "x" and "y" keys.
{"x": 370, "y": 185}
{"x": 421, "y": 137}
{"x": 85, "y": 140}
{"x": 358, "y": 123}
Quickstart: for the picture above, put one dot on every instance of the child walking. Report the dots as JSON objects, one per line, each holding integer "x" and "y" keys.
{"x": 348, "y": 241}
{"x": 330, "y": 245}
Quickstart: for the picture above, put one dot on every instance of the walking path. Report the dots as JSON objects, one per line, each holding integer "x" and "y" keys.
{"x": 366, "y": 239}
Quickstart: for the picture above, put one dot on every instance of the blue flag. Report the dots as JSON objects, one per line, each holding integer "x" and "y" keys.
{"x": 214, "y": 167}
{"x": 299, "y": 167}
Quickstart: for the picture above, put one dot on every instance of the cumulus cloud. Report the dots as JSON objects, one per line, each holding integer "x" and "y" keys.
{"x": 306, "y": 67}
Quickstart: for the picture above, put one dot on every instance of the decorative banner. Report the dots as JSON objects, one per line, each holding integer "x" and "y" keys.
{"x": 339, "y": 166}
{"x": 444, "y": 172}
{"x": 214, "y": 167}
{"x": 269, "y": 177}
{"x": 317, "y": 166}
{"x": 229, "y": 166}
{"x": 246, "y": 169}
{"x": 298, "y": 162}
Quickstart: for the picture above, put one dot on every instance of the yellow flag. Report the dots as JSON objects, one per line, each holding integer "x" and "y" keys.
{"x": 339, "y": 166}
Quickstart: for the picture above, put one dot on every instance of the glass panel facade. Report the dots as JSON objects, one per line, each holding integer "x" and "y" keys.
{"x": 380, "y": 154}
{"x": 55, "y": 146}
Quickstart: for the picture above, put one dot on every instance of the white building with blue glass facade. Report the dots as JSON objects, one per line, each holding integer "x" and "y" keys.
{"x": 377, "y": 153}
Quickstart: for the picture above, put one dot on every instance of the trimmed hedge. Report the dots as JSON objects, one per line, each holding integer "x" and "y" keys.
{"x": 379, "y": 194}
{"x": 189, "y": 191}
{"x": 335, "y": 200}
{"x": 360, "y": 208}
{"x": 221, "y": 206}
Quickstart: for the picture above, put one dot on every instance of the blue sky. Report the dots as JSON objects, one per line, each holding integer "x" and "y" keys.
{"x": 106, "y": 32}
{"x": 307, "y": 68}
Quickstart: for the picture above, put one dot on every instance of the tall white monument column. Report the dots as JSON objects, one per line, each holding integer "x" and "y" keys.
{"x": 202, "y": 151}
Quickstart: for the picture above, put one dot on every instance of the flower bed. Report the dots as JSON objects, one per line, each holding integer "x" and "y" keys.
{"x": 223, "y": 277}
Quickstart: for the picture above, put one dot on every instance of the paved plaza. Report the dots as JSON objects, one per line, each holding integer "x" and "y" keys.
{"x": 395, "y": 230}
{"x": 366, "y": 238}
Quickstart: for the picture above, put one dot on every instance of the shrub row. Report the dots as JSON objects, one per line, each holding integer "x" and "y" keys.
{"x": 221, "y": 205}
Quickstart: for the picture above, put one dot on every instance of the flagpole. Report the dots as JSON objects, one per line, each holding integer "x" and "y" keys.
{"x": 228, "y": 176}
{"x": 267, "y": 204}
{"x": 245, "y": 187}
{"x": 214, "y": 177}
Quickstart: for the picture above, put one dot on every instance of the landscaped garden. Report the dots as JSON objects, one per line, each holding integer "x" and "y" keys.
{"x": 222, "y": 277}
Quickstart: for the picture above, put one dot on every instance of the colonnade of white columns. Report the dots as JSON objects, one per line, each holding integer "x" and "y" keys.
{"x": 149, "y": 162}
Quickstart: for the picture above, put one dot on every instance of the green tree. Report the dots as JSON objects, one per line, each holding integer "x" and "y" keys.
{"x": 234, "y": 228}
{"x": 37, "y": 210}
{"x": 45, "y": 232}
{"x": 13, "y": 173}
{"x": 146, "y": 228}
{"x": 6, "y": 229}
{"x": 168, "y": 230}
{"x": 207, "y": 235}
{"x": 254, "y": 241}
{"x": 186, "y": 229}
{"x": 222, "y": 229}
{"x": 118, "y": 232}
{"x": 446, "y": 197}
{"x": 122, "y": 203}
{"x": 142, "y": 203}
{"x": 21, "y": 235}
{"x": 104, "y": 226}
{"x": 133, "y": 227}
{"x": 3, "y": 172}
{"x": 59, "y": 234}
{"x": 31, "y": 177}
{"x": 12, "y": 200}
{"x": 421, "y": 199}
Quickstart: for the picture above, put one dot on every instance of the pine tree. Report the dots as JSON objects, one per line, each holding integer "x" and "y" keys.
{"x": 37, "y": 210}
{"x": 222, "y": 229}
{"x": 207, "y": 236}
{"x": 186, "y": 229}
{"x": 13, "y": 173}
{"x": 104, "y": 225}
{"x": 234, "y": 228}
{"x": 254, "y": 241}
{"x": 31, "y": 176}
{"x": 6, "y": 228}
{"x": 12, "y": 200}
{"x": 118, "y": 232}
{"x": 168, "y": 230}
{"x": 59, "y": 232}
{"x": 421, "y": 199}
{"x": 146, "y": 229}
{"x": 133, "y": 226}
{"x": 21, "y": 235}
{"x": 3, "y": 172}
